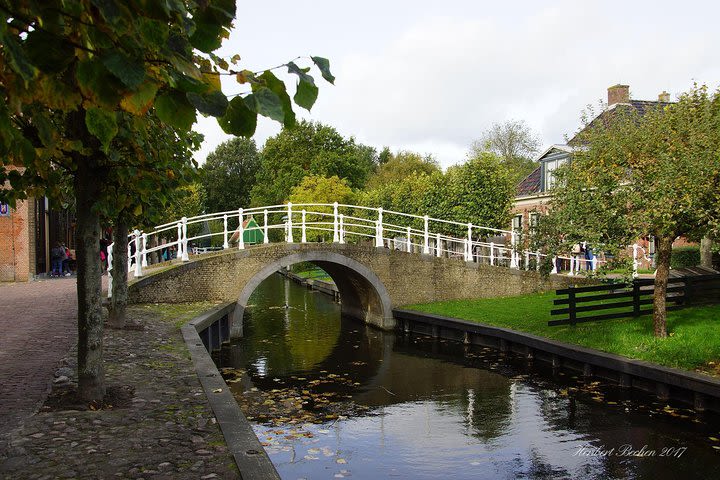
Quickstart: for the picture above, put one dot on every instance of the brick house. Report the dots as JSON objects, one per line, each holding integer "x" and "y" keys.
{"x": 533, "y": 192}
{"x": 27, "y": 233}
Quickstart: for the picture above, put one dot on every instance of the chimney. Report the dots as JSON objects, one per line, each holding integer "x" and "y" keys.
{"x": 664, "y": 97}
{"x": 618, "y": 94}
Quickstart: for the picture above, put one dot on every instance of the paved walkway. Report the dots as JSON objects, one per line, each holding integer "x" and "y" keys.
{"x": 38, "y": 327}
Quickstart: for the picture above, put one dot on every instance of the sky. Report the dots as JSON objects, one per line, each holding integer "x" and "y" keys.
{"x": 431, "y": 76}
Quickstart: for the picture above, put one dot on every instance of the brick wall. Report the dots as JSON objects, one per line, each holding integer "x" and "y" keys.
{"x": 15, "y": 244}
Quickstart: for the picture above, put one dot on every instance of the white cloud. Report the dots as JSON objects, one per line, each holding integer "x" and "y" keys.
{"x": 435, "y": 81}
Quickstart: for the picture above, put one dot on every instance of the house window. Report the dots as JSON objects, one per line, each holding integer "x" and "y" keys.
{"x": 549, "y": 179}
{"x": 534, "y": 218}
{"x": 517, "y": 223}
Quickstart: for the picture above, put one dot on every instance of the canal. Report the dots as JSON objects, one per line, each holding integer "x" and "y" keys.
{"x": 333, "y": 398}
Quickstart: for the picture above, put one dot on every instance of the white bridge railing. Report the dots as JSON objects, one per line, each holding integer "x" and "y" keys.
{"x": 323, "y": 222}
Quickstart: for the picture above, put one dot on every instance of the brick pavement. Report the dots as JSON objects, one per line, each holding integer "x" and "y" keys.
{"x": 38, "y": 326}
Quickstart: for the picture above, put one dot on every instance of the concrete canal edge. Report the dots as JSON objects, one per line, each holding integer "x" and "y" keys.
{"x": 702, "y": 392}
{"x": 250, "y": 457}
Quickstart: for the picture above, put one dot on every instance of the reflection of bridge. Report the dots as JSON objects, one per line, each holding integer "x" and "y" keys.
{"x": 378, "y": 259}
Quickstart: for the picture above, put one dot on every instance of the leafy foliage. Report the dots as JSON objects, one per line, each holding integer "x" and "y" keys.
{"x": 320, "y": 189}
{"x": 633, "y": 176}
{"x": 398, "y": 166}
{"x": 514, "y": 142}
{"x": 228, "y": 175}
{"x": 309, "y": 149}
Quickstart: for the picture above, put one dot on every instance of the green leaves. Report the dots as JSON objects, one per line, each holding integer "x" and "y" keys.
{"x": 207, "y": 36}
{"x": 272, "y": 99}
{"x": 129, "y": 71}
{"x": 48, "y": 52}
{"x": 174, "y": 109}
{"x": 97, "y": 84}
{"x": 238, "y": 119}
{"x": 214, "y": 103}
{"x": 306, "y": 92}
{"x": 266, "y": 103}
{"x": 102, "y": 124}
{"x": 139, "y": 102}
{"x": 16, "y": 57}
{"x": 324, "y": 65}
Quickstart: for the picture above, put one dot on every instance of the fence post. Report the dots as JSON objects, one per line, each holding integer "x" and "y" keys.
{"x": 129, "y": 249}
{"x": 438, "y": 245}
{"x": 468, "y": 244}
{"x": 225, "y": 233}
{"x": 138, "y": 254}
{"x": 554, "y": 266}
{"x": 426, "y": 239}
{"x": 289, "y": 237}
{"x": 379, "y": 229}
{"x": 178, "y": 252}
{"x": 409, "y": 243}
{"x": 571, "y": 306}
{"x": 144, "y": 250}
{"x": 492, "y": 253}
{"x": 265, "y": 227}
{"x": 636, "y": 299}
{"x": 241, "y": 230}
{"x": 303, "y": 236}
{"x": 537, "y": 261}
{"x": 527, "y": 260}
{"x": 513, "y": 253}
{"x": 342, "y": 228}
{"x": 185, "y": 254}
{"x": 109, "y": 269}
{"x": 336, "y": 235}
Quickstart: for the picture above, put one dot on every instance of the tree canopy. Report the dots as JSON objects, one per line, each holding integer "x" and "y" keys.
{"x": 514, "y": 142}
{"x": 310, "y": 148}
{"x": 400, "y": 165}
{"x": 320, "y": 189}
{"x": 228, "y": 175}
{"x": 633, "y": 175}
{"x": 85, "y": 84}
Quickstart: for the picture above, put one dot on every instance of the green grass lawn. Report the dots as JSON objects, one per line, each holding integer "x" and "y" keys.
{"x": 694, "y": 342}
{"x": 314, "y": 274}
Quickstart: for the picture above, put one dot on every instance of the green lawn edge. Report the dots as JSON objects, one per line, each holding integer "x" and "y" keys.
{"x": 693, "y": 344}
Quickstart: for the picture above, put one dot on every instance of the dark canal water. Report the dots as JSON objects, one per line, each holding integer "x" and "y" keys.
{"x": 332, "y": 398}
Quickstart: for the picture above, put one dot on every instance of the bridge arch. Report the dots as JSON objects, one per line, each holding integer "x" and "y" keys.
{"x": 362, "y": 293}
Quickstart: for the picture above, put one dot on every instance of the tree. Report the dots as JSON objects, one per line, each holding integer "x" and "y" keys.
{"x": 319, "y": 189}
{"x": 632, "y": 176}
{"x": 400, "y": 165}
{"x": 77, "y": 74}
{"x": 514, "y": 142}
{"x": 310, "y": 148}
{"x": 228, "y": 175}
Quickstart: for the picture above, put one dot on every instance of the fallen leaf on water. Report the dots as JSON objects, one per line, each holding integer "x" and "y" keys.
{"x": 217, "y": 390}
{"x": 341, "y": 461}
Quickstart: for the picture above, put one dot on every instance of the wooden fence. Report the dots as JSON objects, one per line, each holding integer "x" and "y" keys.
{"x": 632, "y": 299}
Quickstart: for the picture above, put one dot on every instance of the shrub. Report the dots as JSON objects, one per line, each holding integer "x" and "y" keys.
{"x": 683, "y": 257}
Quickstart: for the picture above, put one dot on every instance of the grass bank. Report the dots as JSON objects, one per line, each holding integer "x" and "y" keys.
{"x": 693, "y": 344}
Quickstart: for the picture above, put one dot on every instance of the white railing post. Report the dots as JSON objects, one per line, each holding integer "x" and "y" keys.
{"x": 144, "y": 250}
{"x": 226, "y": 245}
{"x": 138, "y": 254}
{"x": 336, "y": 235}
{"x": 178, "y": 249}
{"x": 379, "y": 229}
{"x": 537, "y": 261}
{"x": 109, "y": 269}
{"x": 289, "y": 237}
{"x": 492, "y": 253}
{"x": 241, "y": 230}
{"x": 265, "y": 227}
{"x": 185, "y": 255}
{"x": 426, "y": 245}
{"x": 303, "y": 238}
{"x": 572, "y": 265}
{"x": 438, "y": 245}
{"x": 554, "y": 266}
{"x": 129, "y": 253}
{"x": 342, "y": 228}
{"x": 409, "y": 243}
{"x": 527, "y": 260}
{"x": 468, "y": 244}
{"x": 636, "y": 247}
{"x": 513, "y": 252}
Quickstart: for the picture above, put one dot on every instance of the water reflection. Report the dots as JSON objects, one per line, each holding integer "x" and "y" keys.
{"x": 411, "y": 407}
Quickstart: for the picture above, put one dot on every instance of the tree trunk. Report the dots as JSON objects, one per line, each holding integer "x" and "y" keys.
{"x": 91, "y": 372}
{"x": 663, "y": 253}
{"x": 118, "y": 302}
{"x": 706, "y": 252}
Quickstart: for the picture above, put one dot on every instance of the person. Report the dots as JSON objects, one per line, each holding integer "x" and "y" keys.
{"x": 104, "y": 242}
{"x": 57, "y": 255}
{"x": 66, "y": 261}
{"x": 589, "y": 259}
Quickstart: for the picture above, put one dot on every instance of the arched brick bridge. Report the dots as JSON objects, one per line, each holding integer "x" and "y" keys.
{"x": 371, "y": 280}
